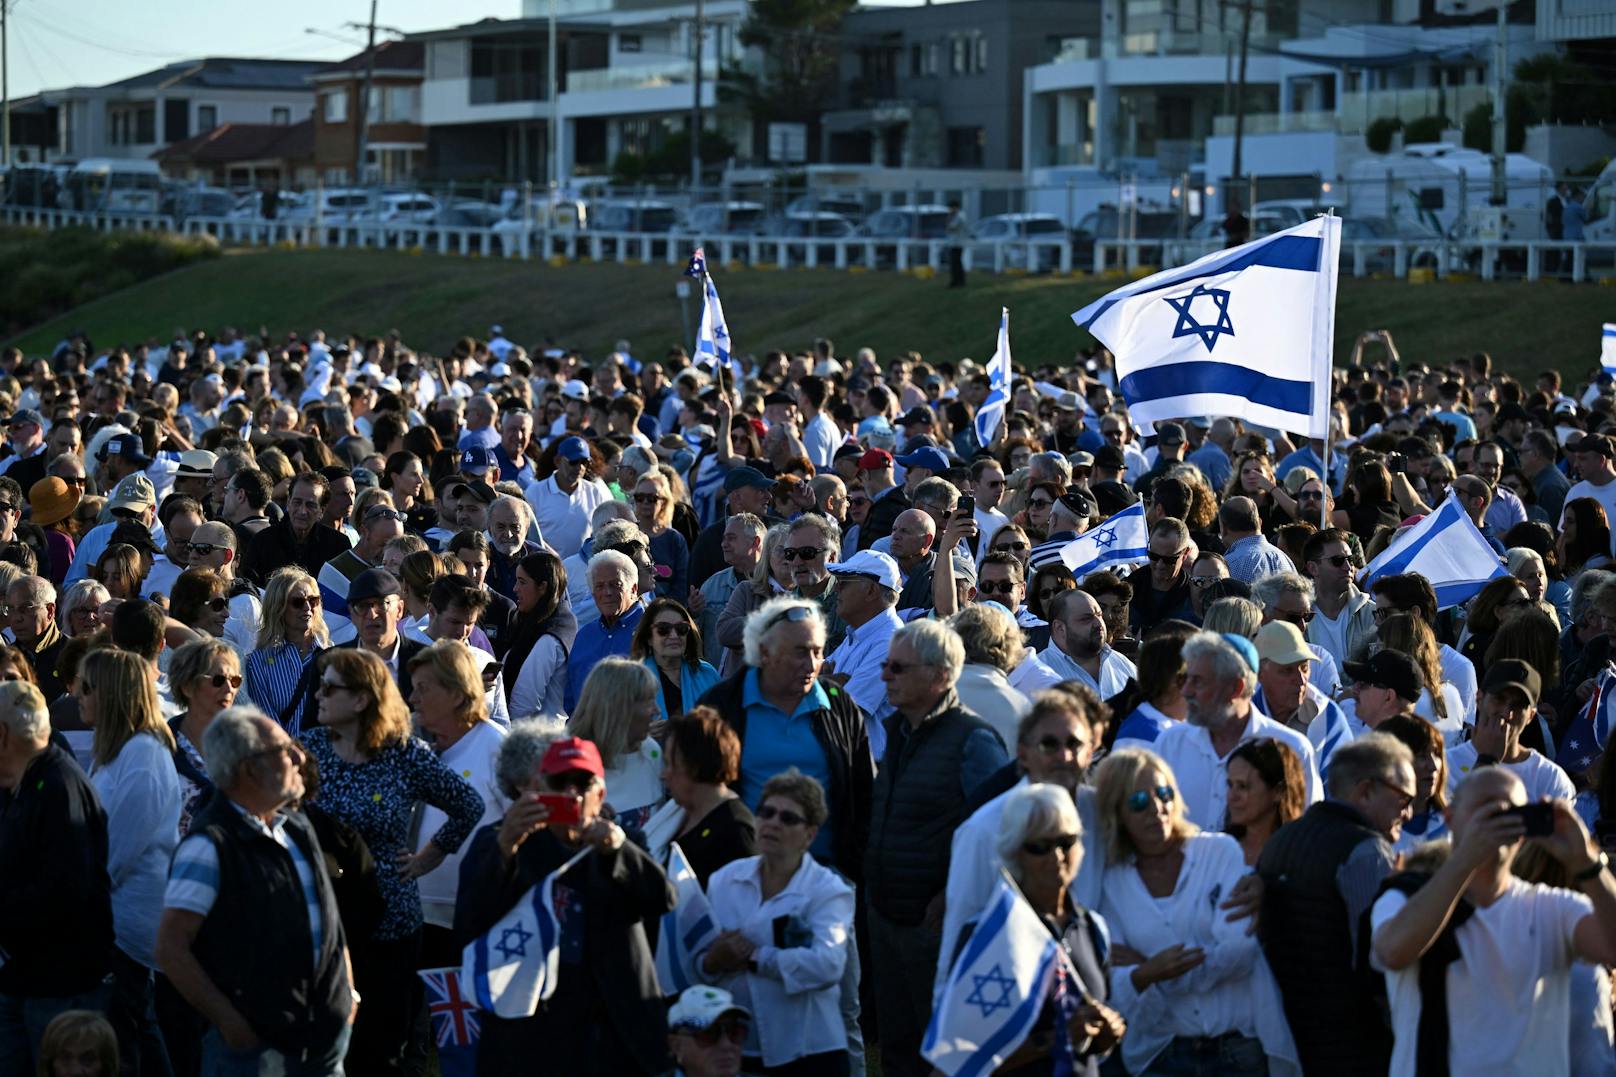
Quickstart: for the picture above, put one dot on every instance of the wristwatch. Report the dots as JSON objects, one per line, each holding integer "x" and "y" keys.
{"x": 1591, "y": 872}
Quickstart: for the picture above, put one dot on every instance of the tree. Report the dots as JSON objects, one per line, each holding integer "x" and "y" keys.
{"x": 801, "y": 61}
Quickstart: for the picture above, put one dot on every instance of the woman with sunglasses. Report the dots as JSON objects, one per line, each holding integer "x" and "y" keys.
{"x": 1499, "y": 601}
{"x": 1193, "y": 985}
{"x": 79, "y": 611}
{"x": 1034, "y": 519}
{"x": 290, "y": 637}
{"x": 785, "y": 922}
{"x": 653, "y": 511}
{"x": 204, "y": 677}
{"x": 1044, "y": 587}
{"x": 669, "y": 643}
{"x": 200, "y": 598}
{"x": 772, "y": 577}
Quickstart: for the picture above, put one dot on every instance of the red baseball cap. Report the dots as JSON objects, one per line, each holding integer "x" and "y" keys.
{"x": 572, "y": 753}
{"x": 874, "y": 460}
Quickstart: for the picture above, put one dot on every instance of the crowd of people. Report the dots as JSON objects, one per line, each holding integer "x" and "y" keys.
{"x": 321, "y": 652}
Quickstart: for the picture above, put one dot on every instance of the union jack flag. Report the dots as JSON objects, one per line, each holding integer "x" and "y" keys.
{"x": 698, "y": 265}
{"x": 1588, "y": 734}
{"x": 454, "y": 1016}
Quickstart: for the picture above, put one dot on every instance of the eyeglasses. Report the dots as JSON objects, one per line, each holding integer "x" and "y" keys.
{"x": 1047, "y": 593}
{"x": 328, "y": 688}
{"x": 1204, "y": 581}
{"x": 1383, "y": 613}
{"x": 292, "y": 749}
{"x": 671, "y": 628}
{"x": 382, "y": 512}
{"x": 303, "y": 602}
{"x": 219, "y": 680}
{"x": 731, "y": 1029}
{"x": 1295, "y": 617}
{"x": 8, "y": 506}
{"x": 72, "y": 480}
{"x": 1139, "y": 800}
{"x": 802, "y": 553}
{"x": 787, "y": 818}
{"x": 218, "y": 603}
{"x": 1166, "y": 558}
{"x": 996, "y": 587}
{"x": 1054, "y": 745}
{"x": 1063, "y": 842}
{"x": 1310, "y": 495}
{"x": 1039, "y": 502}
{"x": 1012, "y": 547}
{"x": 1340, "y": 560}
{"x": 1405, "y": 798}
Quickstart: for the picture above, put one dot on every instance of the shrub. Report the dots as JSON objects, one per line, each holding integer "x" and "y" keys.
{"x": 1380, "y": 132}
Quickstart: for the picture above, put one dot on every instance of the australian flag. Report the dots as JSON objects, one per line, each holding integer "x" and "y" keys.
{"x": 698, "y": 265}
{"x": 1587, "y": 736}
{"x": 454, "y": 1022}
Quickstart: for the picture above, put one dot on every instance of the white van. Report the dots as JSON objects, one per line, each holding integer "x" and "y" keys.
{"x": 113, "y": 185}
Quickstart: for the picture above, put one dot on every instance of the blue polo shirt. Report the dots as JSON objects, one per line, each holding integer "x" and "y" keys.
{"x": 775, "y": 742}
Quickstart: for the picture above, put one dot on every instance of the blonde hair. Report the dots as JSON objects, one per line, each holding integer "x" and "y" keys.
{"x": 1114, "y": 784}
{"x": 664, "y": 512}
{"x": 191, "y": 661}
{"x": 123, "y": 682}
{"x": 450, "y": 661}
{"x": 614, "y": 686}
{"x": 272, "y": 624}
{"x": 385, "y": 720}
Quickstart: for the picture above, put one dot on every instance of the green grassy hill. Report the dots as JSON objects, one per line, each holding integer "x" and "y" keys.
{"x": 434, "y": 300}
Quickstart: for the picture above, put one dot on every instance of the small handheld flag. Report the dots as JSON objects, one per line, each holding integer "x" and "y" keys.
{"x": 1607, "y": 347}
{"x": 454, "y": 1022}
{"x": 515, "y": 965}
{"x": 687, "y": 928}
{"x": 698, "y": 265}
{"x": 991, "y": 413}
{"x": 1445, "y": 548}
{"x": 713, "y": 345}
{"x": 1123, "y": 539}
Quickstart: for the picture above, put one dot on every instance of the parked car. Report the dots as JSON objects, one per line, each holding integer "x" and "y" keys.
{"x": 468, "y": 213}
{"x": 904, "y": 222}
{"x": 405, "y": 208}
{"x": 332, "y": 205}
{"x": 186, "y": 202}
{"x": 724, "y": 219}
{"x": 850, "y": 206}
{"x": 1012, "y": 228}
{"x": 249, "y": 206}
{"x": 811, "y": 224}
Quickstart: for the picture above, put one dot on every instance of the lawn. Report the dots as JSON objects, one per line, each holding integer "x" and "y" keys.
{"x": 434, "y": 299}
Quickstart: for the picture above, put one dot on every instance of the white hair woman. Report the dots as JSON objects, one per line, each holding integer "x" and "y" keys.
{"x": 993, "y": 647}
{"x": 1192, "y": 984}
{"x": 79, "y": 611}
{"x": 615, "y": 710}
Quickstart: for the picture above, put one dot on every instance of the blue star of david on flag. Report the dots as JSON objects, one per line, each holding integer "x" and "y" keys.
{"x": 698, "y": 265}
{"x": 508, "y": 949}
{"x": 1105, "y": 538}
{"x": 1188, "y": 326}
{"x": 991, "y": 991}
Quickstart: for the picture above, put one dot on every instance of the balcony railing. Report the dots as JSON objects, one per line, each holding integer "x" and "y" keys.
{"x": 636, "y": 77}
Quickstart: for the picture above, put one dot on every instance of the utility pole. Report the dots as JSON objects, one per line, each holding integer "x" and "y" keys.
{"x": 554, "y": 90}
{"x": 5, "y": 89}
{"x": 695, "y": 103}
{"x": 363, "y": 147}
{"x": 1240, "y": 98}
{"x": 1500, "y": 138}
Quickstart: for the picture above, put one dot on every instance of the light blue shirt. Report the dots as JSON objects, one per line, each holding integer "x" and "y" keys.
{"x": 94, "y": 544}
{"x": 1254, "y": 557}
{"x": 775, "y": 742}
{"x": 860, "y": 656}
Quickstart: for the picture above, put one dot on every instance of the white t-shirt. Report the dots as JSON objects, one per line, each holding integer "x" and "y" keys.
{"x": 1605, "y": 495}
{"x": 1541, "y": 776}
{"x": 634, "y": 785}
{"x": 1509, "y": 992}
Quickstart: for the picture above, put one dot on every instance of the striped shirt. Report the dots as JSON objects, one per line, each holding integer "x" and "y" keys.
{"x": 272, "y": 676}
{"x": 193, "y": 878}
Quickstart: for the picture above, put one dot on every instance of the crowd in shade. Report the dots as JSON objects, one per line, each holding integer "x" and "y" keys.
{"x": 324, "y": 656}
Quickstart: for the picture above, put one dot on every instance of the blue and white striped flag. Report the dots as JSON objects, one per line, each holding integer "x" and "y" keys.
{"x": 1607, "y": 347}
{"x": 1122, "y": 540}
{"x": 991, "y": 413}
{"x": 1447, "y": 549}
{"x": 687, "y": 928}
{"x": 515, "y": 965}
{"x": 995, "y": 990}
{"x": 1246, "y": 333}
{"x": 713, "y": 344}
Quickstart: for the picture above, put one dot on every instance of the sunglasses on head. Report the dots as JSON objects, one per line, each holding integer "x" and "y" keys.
{"x": 671, "y": 628}
{"x": 793, "y": 614}
{"x": 787, "y": 818}
{"x": 801, "y": 553}
{"x": 1063, "y": 842}
{"x": 1139, "y": 800}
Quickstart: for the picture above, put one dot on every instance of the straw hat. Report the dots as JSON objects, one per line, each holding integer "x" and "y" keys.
{"x": 52, "y": 500}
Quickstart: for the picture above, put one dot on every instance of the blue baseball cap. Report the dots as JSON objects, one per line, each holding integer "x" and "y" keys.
{"x": 127, "y": 446}
{"x": 573, "y": 449}
{"x": 742, "y": 477}
{"x": 474, "y": 460}
{"x": 929, "y": 458}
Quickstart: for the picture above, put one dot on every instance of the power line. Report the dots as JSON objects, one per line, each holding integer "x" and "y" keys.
{"x": 139, "y": 54}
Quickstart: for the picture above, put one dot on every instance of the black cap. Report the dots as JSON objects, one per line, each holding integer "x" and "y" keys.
{"x": 1389, "y": 669}
{"x": 779, "y": 396}
{"x": 373, "y": 583}
{"x": 1170, "y": 433}
{"x": 1598, "y": 443}
{"x": 1110, "y": 457}
{"x": 1513, "y": 673}
{"x": 1079, "y": 502}
{"x": 917, "y": 416}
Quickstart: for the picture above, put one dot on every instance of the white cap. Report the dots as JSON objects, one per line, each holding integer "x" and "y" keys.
{"x": 872, "y": 565}
{"x": 698, "y": 1007}
{"x": 575, "y": 390}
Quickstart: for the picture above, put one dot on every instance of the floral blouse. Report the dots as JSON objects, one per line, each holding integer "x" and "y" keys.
{"x": 378, "y": 797}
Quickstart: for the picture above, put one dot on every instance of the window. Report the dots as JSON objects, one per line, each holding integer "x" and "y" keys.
{"x": 401, "y": 104}
{"x": 146, "y": 125}
{"x": 966, "y": 147}
{"x": 507, "y": 71}
{"x": 280, "y": 116}
{"x": 628, "y": 42}
{"x": 959, "y": 55}
{"x": 335, "y": 105}
{"x": 207, "y": 117}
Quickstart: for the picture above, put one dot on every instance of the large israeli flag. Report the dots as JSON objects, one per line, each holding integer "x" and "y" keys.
{"x": 991, "y": 413}
{"x": 1445, "y": 548}
{"x": 995, "y": 990}
{"x": 515, "y": 966}
{"x": 687, "y": 928}
{"x": 1246, "y": 333}
{"x": 1123, "y": 539}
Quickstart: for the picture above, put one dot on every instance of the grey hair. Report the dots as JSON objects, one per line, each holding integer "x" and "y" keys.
{"x": 1055, "y": 462}
{"x": 524, "y": 511}
{"x": 522, "y": 749}
{"x": 617, "y": 532}
{"x": 1587, "y": 584}
{"x": 23, "y": 711}
{"x": 989, "y": 635}
{"x": 638, "y": 460}
{"x": 751, "y": 524}
{"x": 607, "y": 511}
{"x": 1518, "y": 557}
{"x": 1034, "y": 809}
{"x": 1226, "y": 661}
{"x": 935, "y": 644}
{"x": 40, "y": 589}
{"x": 826, "y": 527}
{"x": 231, "y": 739}
{"x": 80, "y": 594}
{"x": 618, "y": 562}
{"x": 937, "y": 492}
{"x": 1271, "y": 588}
{"x": 762, "y": 622}
{"x": 1367, "y": 758}
{"x": 1241, "y": 616}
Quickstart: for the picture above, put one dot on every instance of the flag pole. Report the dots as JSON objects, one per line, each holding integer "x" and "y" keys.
{"x": 1329, "y": 428}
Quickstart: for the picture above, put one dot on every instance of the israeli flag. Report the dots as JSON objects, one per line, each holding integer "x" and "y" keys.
{"x": 1445, "y": 548}
{"x": 712, "y": 336}
{"x": 1246, "y": 333}
{"x": 1607, "y": 347}
{"x": 687, "y": 928}
{"x": 515, "y": 966}
{"x": 991, "y": 413}
{"x": 995, "y": 990}
{"x": 1124, "y": 539}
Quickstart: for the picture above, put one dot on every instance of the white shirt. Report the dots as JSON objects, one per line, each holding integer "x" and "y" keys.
{"x": 541, "y": 683}
{"x": 988, "y": 523}
{"x": 795, "y": 994}
{"x": 987, "y": 692}
{"x": 1202, "y": 777}
{"x": 1509, "y": 994}
{"x": 1055, "y": 666}
{"x": 973, "y": 870}
{"x": 1541, "y": 776}
{"x": 1460, "y": 672}
{"x": 1605, "y": 495}
{"x": 241, "y": 630}
{"x": 860, "y": 656}
{"x": 634, "y": 784}
{"x": 563, "y": 517}
{"x": 822, "y": 437}
{"x": 472, "y": 757}
{"x": 141, "y": 794}
{"x": 160, "y": 580}
{"x": 1452, "y": 727}
{"x": 1231, "y": 991}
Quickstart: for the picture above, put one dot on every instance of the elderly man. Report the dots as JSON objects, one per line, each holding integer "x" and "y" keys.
{"x": 1161, "y": 590}
{"x": 1509, "y": 696}
{"x": 480, "y": 431}
{"x": 1078, "y": 651}
{"x": 25, "y": 436}
{"x": 1219, "y": 681}
{"x": 1320, "y": 874}
{"x": 812, "y": 543}
{"x": 381, "y": 524}
{"x": 1250, "y": 556}
{"x": 614, "y": 583}
{"x": 1285, "y": 694}
{"x": 888, "y": 500}
{"x": 867, "y": 586}
{"x": 742, "y": 545}
{"x": 515, "y": 435}
{"x": 213, "y": 545}
{"x": 563, "y": 503}
{"x": 32, "y": 619}
{"x": 937, "y": 752}
{"x": 786, "y": 716}
{"x": 251, "y": 936}
{"x": 1288, "y": 596}
{"x": 1344, "y": 617}
{"x": 1510, "y": 941}
{"x": 57, "y": 929}
{"x": 297, "y": 538}
{"x": 510, "y": 522}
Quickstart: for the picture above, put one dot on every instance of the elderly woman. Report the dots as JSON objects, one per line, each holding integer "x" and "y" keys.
{"x": 290, "y": 637}
{"x": 542, "y": 638}
{"x": 653, "y": 511}
{"x": 372, "y": 774}
{"x": 133, "y": 773}
{"x": 1528, "y": 567}
{"x": 1266, "y": 791}
{"x": 784, "y": 922}
{"x": 669, "y": 643}
{"x": 204, "y": 676}
{"x": 446, "y": 694}
{"x": 78, "y": 613}
{"x": 772, "y": 577}
{"x": 1429, "y": 819}
{"x": 701, "y": 760}
{"x": 200, "y": 598}
{"x": 1172, "y": 949}
{"x": 615, "y": 711}
{"x": 993, "y": 648}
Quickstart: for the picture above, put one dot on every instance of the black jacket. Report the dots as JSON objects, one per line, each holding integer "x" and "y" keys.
{"x": 276, "y": 547}
{"x": 840, "y": 731}
{"x": 498, "y": 623}
{"x": 884, "y": 512}
{"x": 55, "y": 896}
{"x": 305, "y": 708}
{"x": 611, "y": 992}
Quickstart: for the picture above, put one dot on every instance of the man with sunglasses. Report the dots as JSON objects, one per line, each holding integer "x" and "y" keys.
{"x": 381, "y": 524}
{"x": 987, "y": 486}
{"x": 1161, "y": 589}
{"x": 181, "y": 515}
{"x": 1344, "y": 617}
{"x": 563, "y": 502}
{"x": 867, "y": 586}
{"x": 213, "y": 545}
{"x": 705, "y": 1032}
{"x": 1288, "y": 596}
